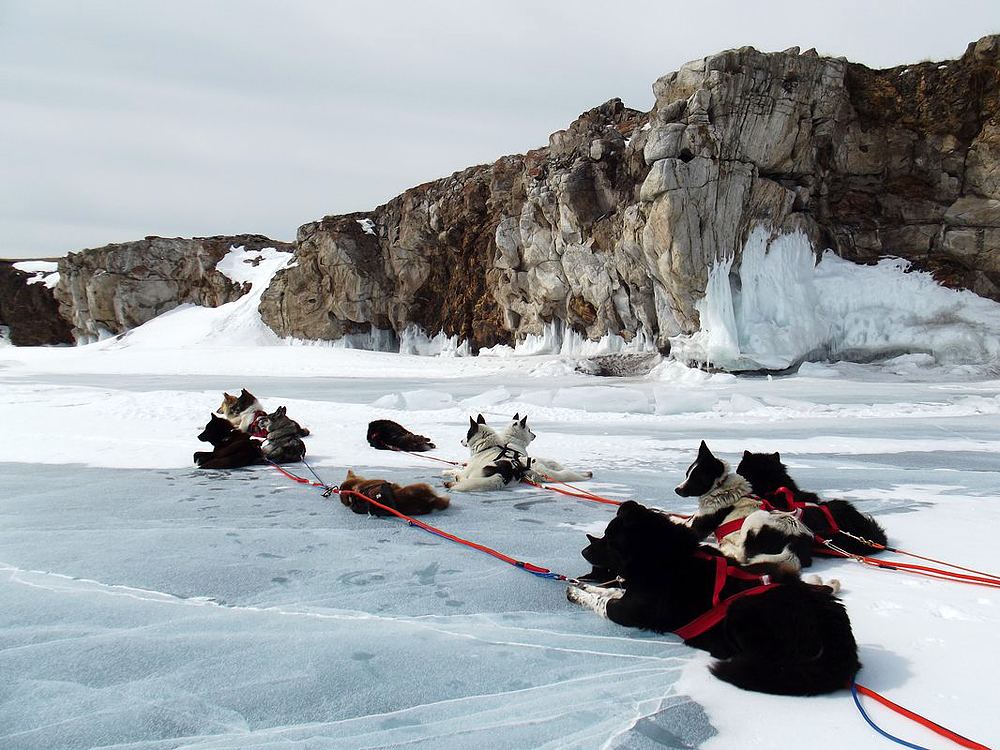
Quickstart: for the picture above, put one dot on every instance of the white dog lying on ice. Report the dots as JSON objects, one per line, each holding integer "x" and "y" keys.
{"x": 491, "y": 465}
{"x": 517, "y": 436}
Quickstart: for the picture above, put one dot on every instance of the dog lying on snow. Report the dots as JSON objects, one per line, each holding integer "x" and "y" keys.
{"x": 240, "y": 410}
{"x": 827, "y": 519}
{"x": 245, "y": 411}
{"x": 783, "y": 636}
{"x": 518, "y": 436}
{"x": 411, "y": 500}
{"x": 282, "y": 443}
{"x": 744, "y": 531}
{"x": 491, "y": 465}
{"x": 385, "y": 434}
{"x": 231, "y": 448}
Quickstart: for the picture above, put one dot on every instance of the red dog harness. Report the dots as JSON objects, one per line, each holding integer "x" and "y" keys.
{"x": 254, "y": 429}
{"x": 723, "y": 572}
{"x": 790, "y": 506}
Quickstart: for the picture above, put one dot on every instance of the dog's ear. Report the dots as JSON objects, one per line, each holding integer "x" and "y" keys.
{"x": 703, "y": 451}
{"x": 592, "y": 539}
{"x": 280, "y": 411}
{"x": 746, "y": 455}
{"x": 351, "y": 474}
{"x": 472, "y": 422}
{"x": 517, "y": 416}
{"x": 480, "y": 419}
{"x": 524, "y": 421}
{"x": 777, "y": 456}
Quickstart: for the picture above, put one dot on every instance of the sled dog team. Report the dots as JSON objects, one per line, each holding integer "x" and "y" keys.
{"x": 741, "y": 599}
{"x": 246, "y": 435}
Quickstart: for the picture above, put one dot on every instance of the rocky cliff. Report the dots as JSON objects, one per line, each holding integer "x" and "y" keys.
{"x": 614, "y": 226}
{"x": 114, "y": 288}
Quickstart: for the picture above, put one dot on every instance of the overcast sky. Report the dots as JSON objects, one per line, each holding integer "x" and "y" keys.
{"x": 121, "y": 119}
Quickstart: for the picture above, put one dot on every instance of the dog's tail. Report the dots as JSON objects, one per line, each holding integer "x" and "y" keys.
{"x": 813, "y": 653}
{"x": 849, "y": 518}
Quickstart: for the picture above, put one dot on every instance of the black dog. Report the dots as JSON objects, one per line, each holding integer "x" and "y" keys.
{"x": 231, "y": 447}
{"x": 767, "y": 475}
{"x": 385, "y": 435}
{"x": 788, "y": 638}
{"x": 744, "y": 526}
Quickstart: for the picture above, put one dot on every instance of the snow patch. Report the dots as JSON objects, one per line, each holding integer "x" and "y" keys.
{"x": 43, "y": 272}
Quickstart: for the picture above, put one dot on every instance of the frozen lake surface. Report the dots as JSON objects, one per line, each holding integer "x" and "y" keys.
{"x": 152, "y": 605}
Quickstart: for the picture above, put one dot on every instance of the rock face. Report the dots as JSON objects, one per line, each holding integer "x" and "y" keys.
{"x": 30, "y": 311}
{"x": 117, "y": 287}
{"x": 486, "y": 254}
{"x": 615, "y": 225}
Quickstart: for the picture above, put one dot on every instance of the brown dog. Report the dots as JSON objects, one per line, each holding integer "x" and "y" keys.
{"x": 411, "y": 500}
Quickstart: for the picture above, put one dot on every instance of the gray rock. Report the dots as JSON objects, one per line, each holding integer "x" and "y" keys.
{"x": 111, "y": 289}
{"x": 615, "y": 225}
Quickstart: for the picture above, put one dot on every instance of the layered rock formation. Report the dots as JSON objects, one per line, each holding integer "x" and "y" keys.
{"x": 615, "y": 225}
{"x": 114, "y": 288}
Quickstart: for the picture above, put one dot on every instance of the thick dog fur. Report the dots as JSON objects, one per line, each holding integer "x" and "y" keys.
{"x": 243, "y": 410}
{"x": 385, "y": 434}
{"x": 240, "y": 410}
{"x": 411, "y": 500}
{"x": 518, "y": 436}
{"x": 489, "y": 466}
{"x": 282, "y": 444}
{"x": 792, "y": 639}
{"x": 767, "y": 474}
{"x": 724, "y": 497}
{"x": 231, "y": 448}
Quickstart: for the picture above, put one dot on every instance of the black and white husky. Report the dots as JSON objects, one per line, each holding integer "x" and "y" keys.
{"x": 491, "y": 465}
{"x": 518, "y": 436}
{"x": 828, "y": 519}
{"x": 745, "y": 531}
{"x": 775, "y": 634}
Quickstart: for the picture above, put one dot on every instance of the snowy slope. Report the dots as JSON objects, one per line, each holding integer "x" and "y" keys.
{"x": 147, "y": 604}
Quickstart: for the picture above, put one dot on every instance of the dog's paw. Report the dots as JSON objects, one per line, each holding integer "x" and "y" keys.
{"x": 448, "y": 485}
{"x": 588, "y": 474}
{"x": 833, "y": 584}
{"x": 573, "y": 593}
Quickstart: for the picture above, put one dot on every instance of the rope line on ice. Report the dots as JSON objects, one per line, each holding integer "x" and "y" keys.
{"x": 923, "y": 721}
{"x": 329, "y": 490}
{"x": 710, "y": 617}
{"x": 979, "y": 579}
